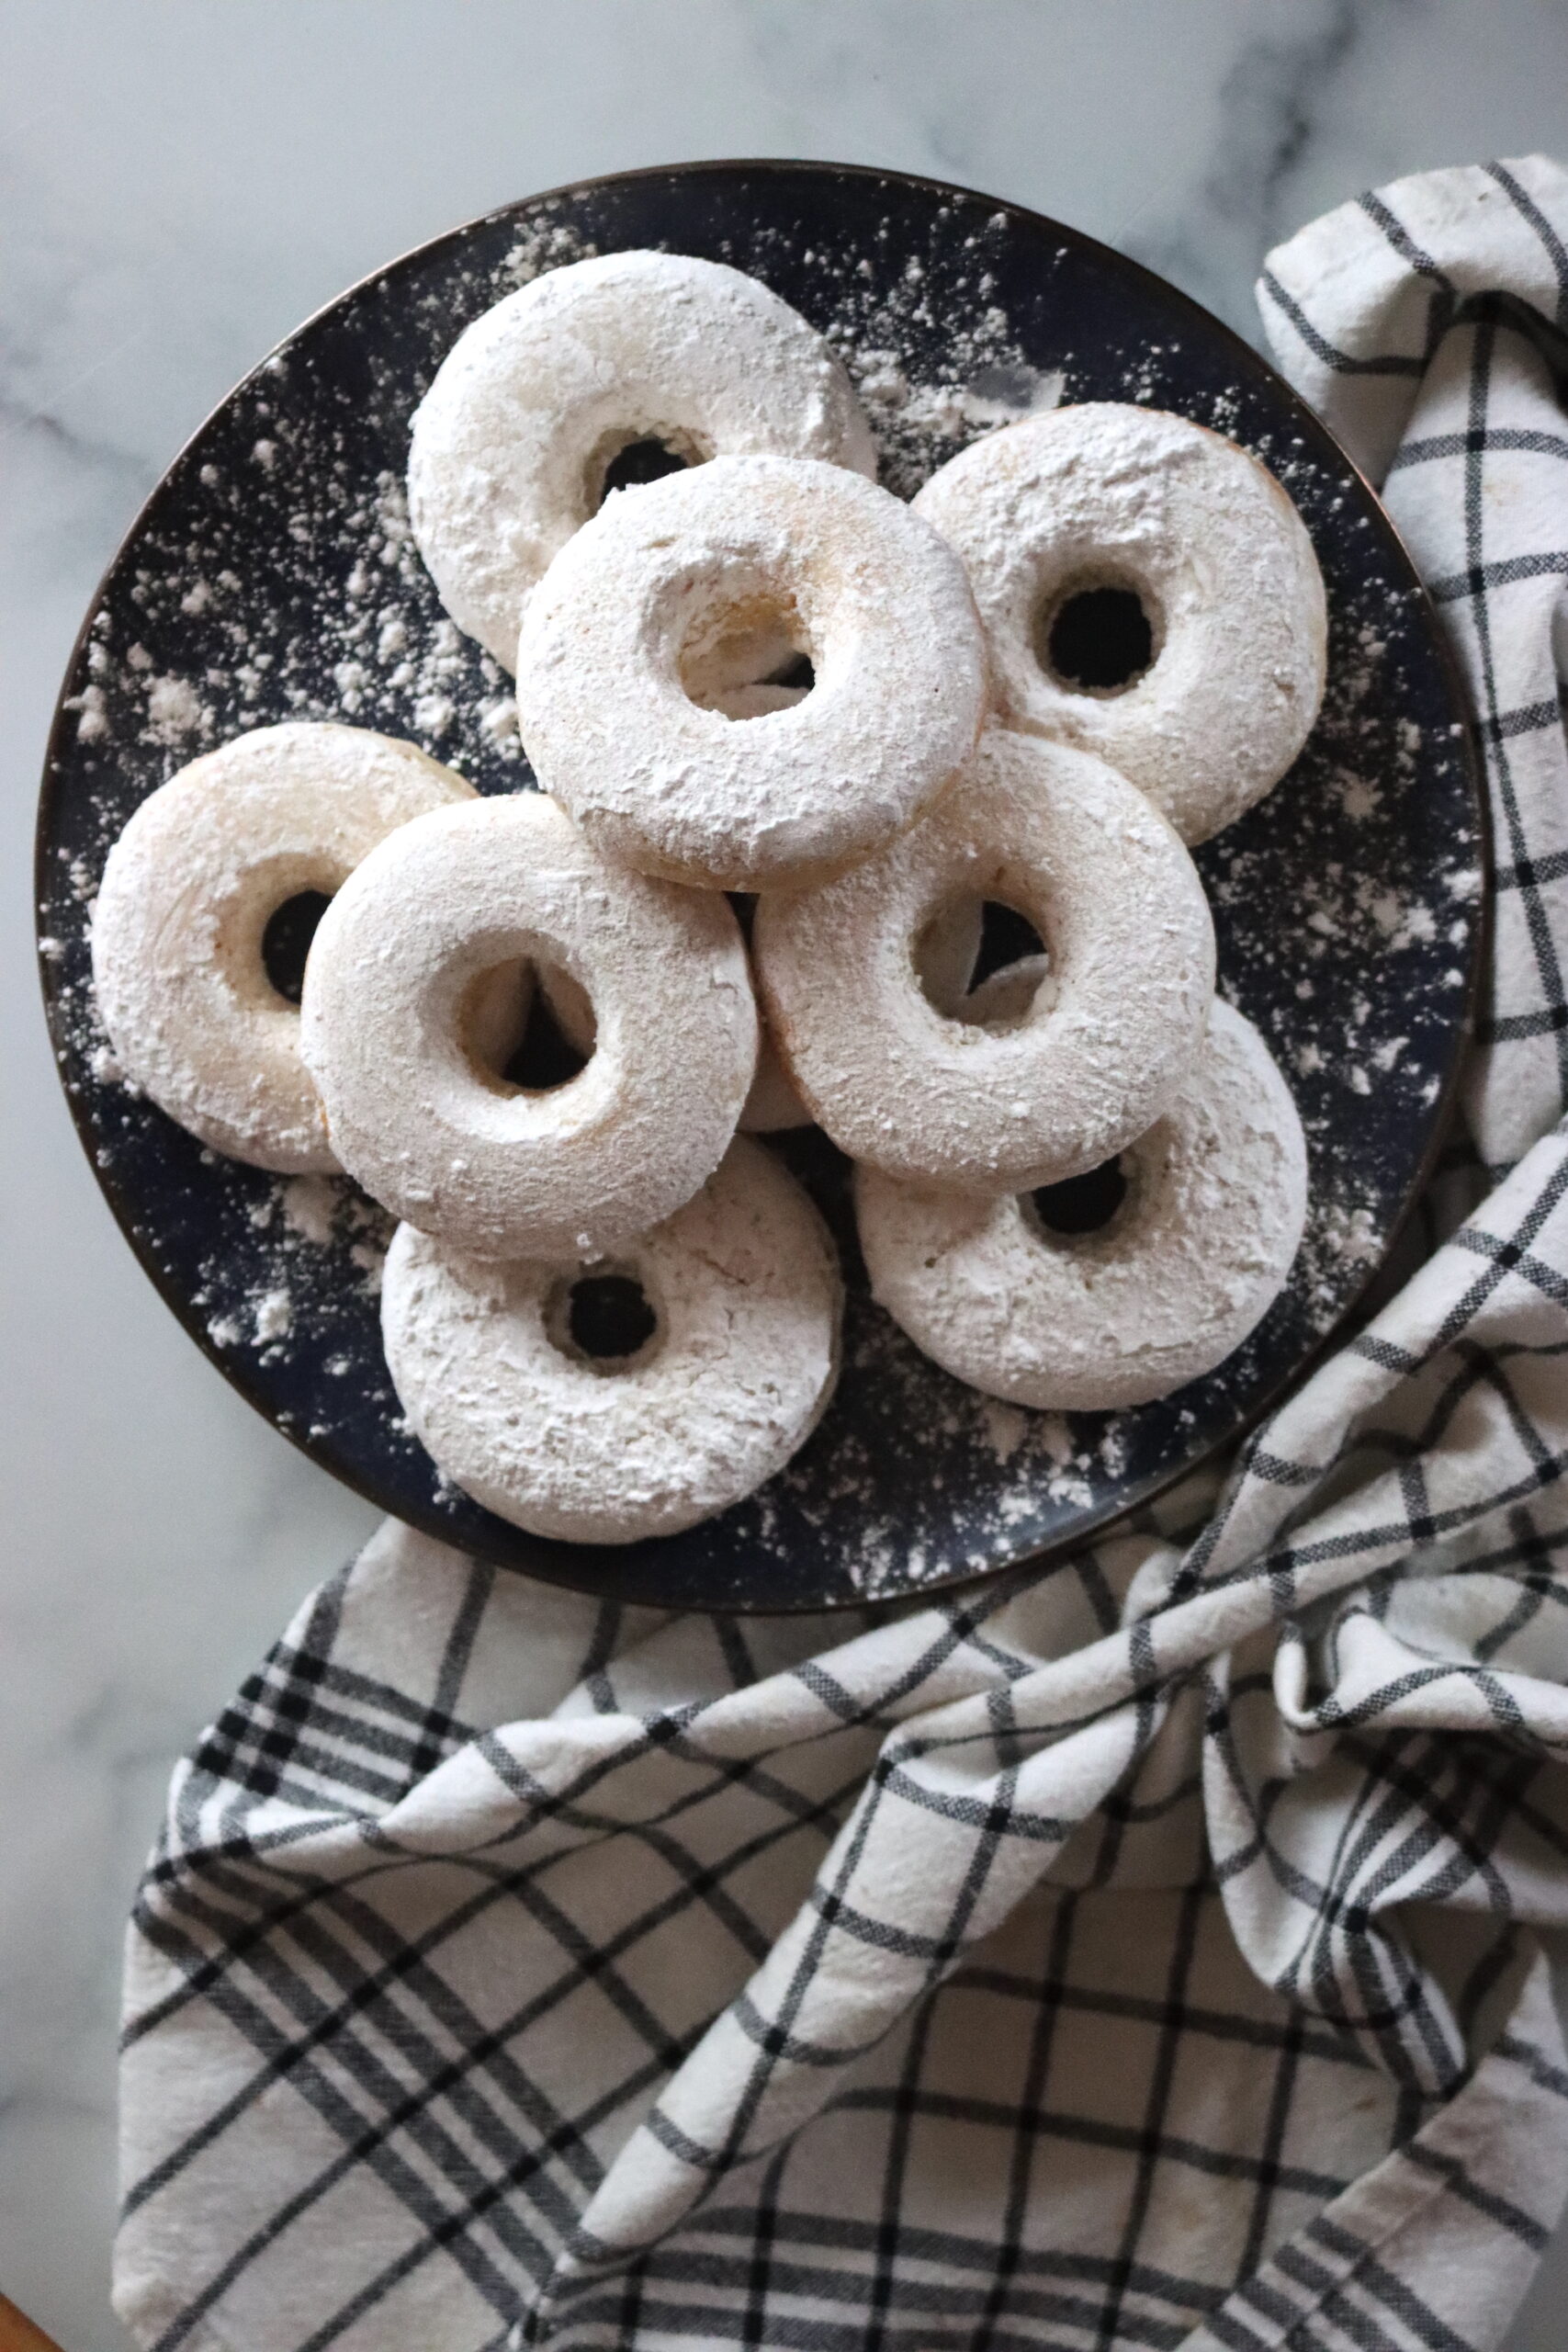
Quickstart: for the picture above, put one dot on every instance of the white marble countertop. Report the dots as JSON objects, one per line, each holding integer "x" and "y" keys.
{"x": 183, "y": 184}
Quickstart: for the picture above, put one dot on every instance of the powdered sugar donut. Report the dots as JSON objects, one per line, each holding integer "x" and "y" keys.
{"x": 1109, "y": 1036}
{"x": 182, "y": 913}
{"x": 1106, "y": 496}
{"x": 512, "y": 441}
{"x": 639, "y": 602}
{"x": 739, "y": 1299}
{"x": 405, "y": 954}
{"x": 1187, "y": 1266}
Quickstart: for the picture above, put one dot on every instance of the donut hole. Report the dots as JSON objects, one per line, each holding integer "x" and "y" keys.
{"x": 528, "y": 1027}
{"x": 1006, "y": 936}
{"x": 748, "y": 659}
{"x": 1080, "y": 1205}
{"x": 605, "y": 1319}
{"x": 628, "y": 460}
{"x": 286, "y": 941}
{"x": 1010, "y": 942}
{"x": 1096, "y": 639}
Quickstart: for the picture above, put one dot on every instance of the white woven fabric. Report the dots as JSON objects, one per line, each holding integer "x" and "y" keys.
{"x": 1428, "y": 325}
{"x": 1134, "y": 1956}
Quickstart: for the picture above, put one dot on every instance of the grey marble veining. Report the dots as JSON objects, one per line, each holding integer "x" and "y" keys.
{"x": 180, "y": 185}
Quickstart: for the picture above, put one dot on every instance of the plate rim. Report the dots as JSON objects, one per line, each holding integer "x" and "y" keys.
{"x": 1092, "y": 1528}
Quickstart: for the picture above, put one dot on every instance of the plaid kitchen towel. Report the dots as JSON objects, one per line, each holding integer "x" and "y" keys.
{"x": 1138, "y": 1955}
{"x": 1428, "y": 325}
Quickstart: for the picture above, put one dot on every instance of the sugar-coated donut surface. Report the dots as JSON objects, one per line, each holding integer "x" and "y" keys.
{"x": 512, "y": 442}
{"x": 770, "y": 1105}
{"x": 1107, "y": 1037}
{"x": 1112, "y": 495}
{"x": 1189, "y": 1264}
{"x": 634, "y": 609}
{"x": 741, "y": 1364}
{"x": 773, "y": 1106}
{"x": 187, "y": 896}
{"x": 402, "y": 965}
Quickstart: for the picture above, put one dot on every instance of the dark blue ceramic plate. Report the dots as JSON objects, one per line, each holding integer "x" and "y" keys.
{"x": 270, "y": 575}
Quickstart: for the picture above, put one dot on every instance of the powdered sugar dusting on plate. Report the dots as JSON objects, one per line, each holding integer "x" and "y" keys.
{"x": 274, "y": 576}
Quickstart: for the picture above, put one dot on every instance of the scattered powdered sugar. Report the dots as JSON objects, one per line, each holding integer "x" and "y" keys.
{"x": 1005, "y": 1428}
{"x": 310, "y": 1208}
{"x": 915, "y": 418}
{"x": 316, "y": 1248}
{"x": 548, "y": 241}
{"x": 273, "y": 1313}
{"x": 175, "y": 710}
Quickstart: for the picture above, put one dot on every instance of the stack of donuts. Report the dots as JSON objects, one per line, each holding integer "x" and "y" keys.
{"x": 792, "y": 738}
